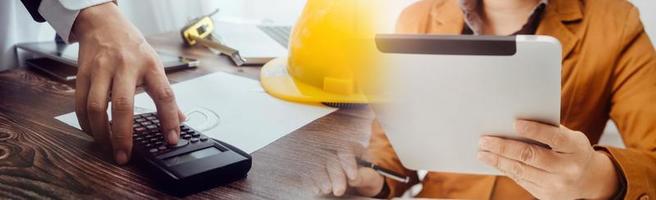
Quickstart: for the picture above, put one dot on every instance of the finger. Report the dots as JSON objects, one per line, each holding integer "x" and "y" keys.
{"x": 81, "y": 92}
{"x": 368, "y": 182}
{"x": 82, "y": 84}
{"x": 358, "y": 149}
{"x": 313, "y": 186}
{"x": 347, "y": 161}
{"x": 182, "y": 116}
{"x": 529, "y": 154}
{"x": 97, "y": 106}
{"x": 308, "y": 183}
{"x": 555, "y": 137}
{"x": 321, "y": 180}
{"x": 365, "y": 177}
{"x": 337, "y": 178}
{"x": 122, "y": 112}
{"x": 513, "y": 168}
{"x": 159, "y": 90}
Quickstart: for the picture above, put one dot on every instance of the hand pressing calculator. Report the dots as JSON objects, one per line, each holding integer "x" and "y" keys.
{"x": 194, "y": 161}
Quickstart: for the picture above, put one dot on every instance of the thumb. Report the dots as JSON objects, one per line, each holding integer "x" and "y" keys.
{"x": 366, "y": 177}
{"x": 368, "y": 182}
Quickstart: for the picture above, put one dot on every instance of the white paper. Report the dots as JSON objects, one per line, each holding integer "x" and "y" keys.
{"x": 248, "y": 39}
{"x": 232, "y": 109}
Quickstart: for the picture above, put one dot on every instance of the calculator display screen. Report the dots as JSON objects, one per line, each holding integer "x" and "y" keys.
{"x": 176, "y": 160}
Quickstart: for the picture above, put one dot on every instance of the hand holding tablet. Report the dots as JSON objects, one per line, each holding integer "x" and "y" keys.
{"x": 446, "y": 92}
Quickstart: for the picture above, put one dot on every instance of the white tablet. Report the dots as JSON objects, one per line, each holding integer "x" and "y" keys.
{"x": 443, "y": 92}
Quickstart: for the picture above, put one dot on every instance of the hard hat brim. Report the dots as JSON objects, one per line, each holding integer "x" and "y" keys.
{"x": 277, "y": 81}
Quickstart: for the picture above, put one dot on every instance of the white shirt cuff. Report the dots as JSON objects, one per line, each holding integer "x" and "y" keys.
{"x": 61, "y": 14}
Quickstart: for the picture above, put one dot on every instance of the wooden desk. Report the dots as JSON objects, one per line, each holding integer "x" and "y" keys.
{"x": 41, "y": 157}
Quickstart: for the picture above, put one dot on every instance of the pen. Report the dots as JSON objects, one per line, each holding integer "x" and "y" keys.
{"x": 385, "y": 172}
{"x": 380, "y": 170}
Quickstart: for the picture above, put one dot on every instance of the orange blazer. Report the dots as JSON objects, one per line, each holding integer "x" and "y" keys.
{"x": 609, "y": 72}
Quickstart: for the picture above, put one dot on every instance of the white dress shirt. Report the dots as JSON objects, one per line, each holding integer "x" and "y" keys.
{"x": 61, "y": 14}
{"x": 18, "y": 25}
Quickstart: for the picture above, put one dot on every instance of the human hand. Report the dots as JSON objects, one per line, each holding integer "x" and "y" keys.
{"x": 114, "y": 58}
{"x": 340, "y": 171}
{"x": 571, "y": 169}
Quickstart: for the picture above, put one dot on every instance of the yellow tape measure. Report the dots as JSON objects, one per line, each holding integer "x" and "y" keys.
{"x": 201, "y": 27}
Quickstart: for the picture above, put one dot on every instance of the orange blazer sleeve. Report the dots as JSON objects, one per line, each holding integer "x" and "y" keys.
{"x": 382, "y": 153}
{"x": 633, "y": 109}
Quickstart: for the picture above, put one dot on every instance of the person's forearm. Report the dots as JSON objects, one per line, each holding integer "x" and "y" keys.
{"x": 97, "y": 18}
{"x": 604, "y": 180}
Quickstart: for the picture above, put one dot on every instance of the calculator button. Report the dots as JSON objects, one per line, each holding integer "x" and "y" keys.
{"x": 148, "y": 145}
{"x": 184, "y": 128}
{"x": 140, "y": 120}
{"x": 180, "y": 143}
{"x": 194, "y": 140}
{"x": 195, "y": 135}
{"x": 186, "y": 136}
{"x": 139, "y": 129}
{"x": 138, "y": 138}
{"x": 153, "y": 150}
{"x": 203, "y": 138}
{"x": 158, "y": 143}
{"x": 151, "y": 127}
{"x": 161, "y": 148}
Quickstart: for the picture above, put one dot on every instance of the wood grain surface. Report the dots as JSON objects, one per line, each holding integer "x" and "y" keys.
{"x": 42, "y": 158}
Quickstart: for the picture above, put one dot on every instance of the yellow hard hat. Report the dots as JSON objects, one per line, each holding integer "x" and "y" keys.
{"x": 325, "y": 47}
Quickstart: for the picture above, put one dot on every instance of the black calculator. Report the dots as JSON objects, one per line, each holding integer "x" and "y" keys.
{"x": 195, "y": 161}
